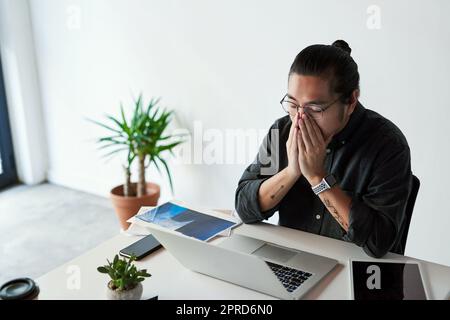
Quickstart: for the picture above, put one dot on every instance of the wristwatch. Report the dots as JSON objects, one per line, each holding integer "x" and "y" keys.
{"x": 327, "y": 183}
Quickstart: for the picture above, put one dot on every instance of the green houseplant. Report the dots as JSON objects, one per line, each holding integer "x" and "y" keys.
{"x": 143, "y": 138}
{"x": 125, "y": 283}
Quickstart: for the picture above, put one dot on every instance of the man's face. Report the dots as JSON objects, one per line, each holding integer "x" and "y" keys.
{"x": 313, "y": 90}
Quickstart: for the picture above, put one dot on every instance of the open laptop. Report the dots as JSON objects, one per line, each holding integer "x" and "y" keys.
{"x": 277, "y": 271}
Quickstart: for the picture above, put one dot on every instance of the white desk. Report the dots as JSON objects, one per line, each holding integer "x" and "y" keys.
{"x": 170, "y": 280}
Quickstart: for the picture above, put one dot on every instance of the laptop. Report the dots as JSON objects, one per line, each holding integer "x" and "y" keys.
{"x": 268, "y": 268}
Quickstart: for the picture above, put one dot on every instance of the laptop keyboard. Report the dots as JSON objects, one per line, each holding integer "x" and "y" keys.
{"x": 289, "y": 277}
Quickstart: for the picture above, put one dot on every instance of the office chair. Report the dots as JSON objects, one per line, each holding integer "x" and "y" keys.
{"x": 409, "y": 211}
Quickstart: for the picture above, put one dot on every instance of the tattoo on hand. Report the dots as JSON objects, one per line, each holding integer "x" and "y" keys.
{"x": 335, "y": 214}
{"x": 279, "y": 189}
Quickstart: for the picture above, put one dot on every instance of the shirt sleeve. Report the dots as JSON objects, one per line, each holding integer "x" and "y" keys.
{"x": 376, "y": 216}
{"x": 264, "y": 166}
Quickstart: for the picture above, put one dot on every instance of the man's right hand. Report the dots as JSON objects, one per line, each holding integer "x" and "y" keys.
{"x": 293, "y": 167}
{"x": 273, "y": 190}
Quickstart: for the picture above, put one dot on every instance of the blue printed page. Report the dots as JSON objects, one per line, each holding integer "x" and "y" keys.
{"x": 189, "y": 222}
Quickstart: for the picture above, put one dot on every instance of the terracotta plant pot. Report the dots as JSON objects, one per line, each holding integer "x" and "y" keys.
{"x": 127, "y": 207}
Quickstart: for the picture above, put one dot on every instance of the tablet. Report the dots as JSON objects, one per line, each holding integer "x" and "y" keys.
{"x": 387, "y": 280}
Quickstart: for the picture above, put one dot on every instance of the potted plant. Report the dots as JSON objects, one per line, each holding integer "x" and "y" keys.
{"x": 143, "y": 138}
{"x": 125, "y": 283}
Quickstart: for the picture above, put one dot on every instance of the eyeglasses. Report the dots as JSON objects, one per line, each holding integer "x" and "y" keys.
{"x": 315, "y": 111}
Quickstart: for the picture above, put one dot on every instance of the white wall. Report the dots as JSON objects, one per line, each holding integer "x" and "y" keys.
{"x": 225, "y": 64}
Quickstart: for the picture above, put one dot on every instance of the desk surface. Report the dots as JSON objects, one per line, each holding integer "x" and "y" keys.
{"x": 79, "y": 279}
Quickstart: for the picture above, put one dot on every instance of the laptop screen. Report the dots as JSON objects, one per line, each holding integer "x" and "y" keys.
{"x": 387, "y": 281}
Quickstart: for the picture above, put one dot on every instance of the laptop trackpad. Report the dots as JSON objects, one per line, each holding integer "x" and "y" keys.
{"x": 274, "y": 253}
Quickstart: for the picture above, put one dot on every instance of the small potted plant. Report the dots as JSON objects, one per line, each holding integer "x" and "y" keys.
{"x": 142, "y": 137}
{"x": 125, "y": 283}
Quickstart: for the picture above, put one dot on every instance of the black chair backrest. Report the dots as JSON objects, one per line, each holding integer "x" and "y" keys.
{"x": 409, "y": 211}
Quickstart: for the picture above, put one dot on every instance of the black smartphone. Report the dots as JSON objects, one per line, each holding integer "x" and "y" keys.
{"x": 141, "y": 248}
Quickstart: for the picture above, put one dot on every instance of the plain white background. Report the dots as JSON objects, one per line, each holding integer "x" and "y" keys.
{"x": 224, "y": 65}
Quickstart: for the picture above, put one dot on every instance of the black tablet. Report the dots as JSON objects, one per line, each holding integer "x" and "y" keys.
{"x": 387, "y": 280}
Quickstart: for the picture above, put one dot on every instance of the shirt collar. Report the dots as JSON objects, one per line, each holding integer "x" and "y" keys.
{"x": 353, "y": 123}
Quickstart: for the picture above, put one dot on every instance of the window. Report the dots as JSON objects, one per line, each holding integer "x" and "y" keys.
{"x": 8, "y": 173}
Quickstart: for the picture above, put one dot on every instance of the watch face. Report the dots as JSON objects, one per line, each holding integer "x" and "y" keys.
{"x": 330, "y": 179}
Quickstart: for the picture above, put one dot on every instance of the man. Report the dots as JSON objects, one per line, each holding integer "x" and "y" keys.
{"x": 331, "y": 166}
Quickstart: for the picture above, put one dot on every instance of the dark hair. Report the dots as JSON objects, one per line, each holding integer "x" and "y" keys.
{"x": 332, "y": 62}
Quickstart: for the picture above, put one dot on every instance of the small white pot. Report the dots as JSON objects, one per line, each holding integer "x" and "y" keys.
{"x": 132, "y": 294}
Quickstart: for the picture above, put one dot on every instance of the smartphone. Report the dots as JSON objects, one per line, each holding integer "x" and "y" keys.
{"x": 141, "y": 248}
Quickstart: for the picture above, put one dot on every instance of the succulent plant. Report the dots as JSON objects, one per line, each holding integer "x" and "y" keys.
{"x": 123, "y": 273}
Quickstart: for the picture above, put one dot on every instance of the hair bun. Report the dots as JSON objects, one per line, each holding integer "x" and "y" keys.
{"x": 341, "y": 44}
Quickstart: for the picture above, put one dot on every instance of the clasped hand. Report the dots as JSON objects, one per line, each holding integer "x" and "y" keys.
{"x": 306, "y": 149}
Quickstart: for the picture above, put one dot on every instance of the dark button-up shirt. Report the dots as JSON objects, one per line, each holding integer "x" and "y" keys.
{"x": 370, "y": 159}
